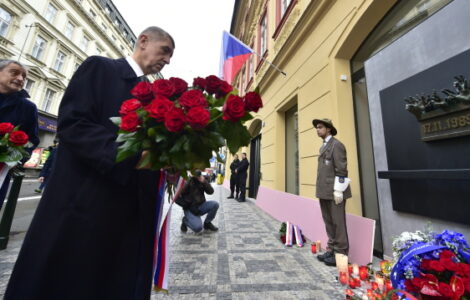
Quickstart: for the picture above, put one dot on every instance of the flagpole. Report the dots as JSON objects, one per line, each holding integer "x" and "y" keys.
{"x": 262, "y": 58}
{"x": 271, "y": 64}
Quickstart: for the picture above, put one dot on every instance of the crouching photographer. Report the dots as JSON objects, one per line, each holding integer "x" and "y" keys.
{"x": 194, "y": 204}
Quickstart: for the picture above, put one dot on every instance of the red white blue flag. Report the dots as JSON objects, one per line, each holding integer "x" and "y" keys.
{"x": 161, "y": 254}
{"x": 234, "y": 55}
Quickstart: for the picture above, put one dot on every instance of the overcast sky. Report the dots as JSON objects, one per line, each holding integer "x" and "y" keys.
{"x": 196, "y": 26}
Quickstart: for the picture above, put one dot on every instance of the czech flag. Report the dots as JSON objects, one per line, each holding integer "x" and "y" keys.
{"x": 234, "y": 55}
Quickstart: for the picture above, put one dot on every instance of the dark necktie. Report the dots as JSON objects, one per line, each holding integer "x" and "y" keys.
{"x": 143, "y": 78}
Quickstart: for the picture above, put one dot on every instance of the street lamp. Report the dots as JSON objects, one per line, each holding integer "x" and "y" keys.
{"x": 27, "y": 35}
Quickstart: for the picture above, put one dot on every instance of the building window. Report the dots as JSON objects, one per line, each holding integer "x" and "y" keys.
{"x": 59, "y": 61}
{"x": 252, "y": 65}
{"x": 263, "y": 35}
{"x": 84, "y": 43}
{"x": 39, "y": 47}
{"x": 104, "y": 27}
{"x": 76, "y": 66}
{"x": 28, "y": 86}
{"x": 5, "y": 22}
{"x": 92, "y": 14}
{"x": 284, "y": 5}
{"x": 50, "y": 13}
{"x": 48, "y": 100}
{"x": 99, "y": 51}
{"x": 69, "y": 28}
{"x": 114, "y": 38}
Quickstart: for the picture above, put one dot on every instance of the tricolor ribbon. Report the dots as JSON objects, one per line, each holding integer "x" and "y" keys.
{"x": 161, "y": 253}
{"x": 289, "y": 229}
{"x": 298, "y": 236}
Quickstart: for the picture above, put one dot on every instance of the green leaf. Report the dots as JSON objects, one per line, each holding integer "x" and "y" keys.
{"x": 159, "y": 137}
{"x": 116, "y": 120}
{"x": 246, "y": 117}
{"x": 236, "y": 135}
{"x": 257, "y": 89}
{"x": 122, "y": 137}
{"x": 179, "y": 144}
{"x": 145, "y": 161}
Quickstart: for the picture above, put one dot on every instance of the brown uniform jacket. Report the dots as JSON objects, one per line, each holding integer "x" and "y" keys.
{"x": 331, "y": 162}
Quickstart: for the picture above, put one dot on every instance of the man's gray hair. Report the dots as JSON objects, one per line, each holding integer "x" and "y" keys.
{"x": 158, "y": 34}
{"x": 6, "y": 62}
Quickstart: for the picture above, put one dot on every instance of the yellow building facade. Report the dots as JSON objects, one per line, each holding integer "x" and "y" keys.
{"x": 321, "y": 45}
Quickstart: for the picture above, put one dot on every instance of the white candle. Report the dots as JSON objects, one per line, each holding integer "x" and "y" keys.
{"x": 355, "y": 270}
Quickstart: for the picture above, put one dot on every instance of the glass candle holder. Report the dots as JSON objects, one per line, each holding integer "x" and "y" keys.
{"x": 363, "y": 272}
{"x": 343, "y": 278}
{"x": 314, "y": 248}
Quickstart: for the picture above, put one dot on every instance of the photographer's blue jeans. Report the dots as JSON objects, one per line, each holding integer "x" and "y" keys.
{"x": 195, "y": 222}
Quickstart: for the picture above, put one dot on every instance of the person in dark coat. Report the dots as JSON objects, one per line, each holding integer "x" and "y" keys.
{"x": 47, "y": 168}
{"x": 234, "y": 178}
{"x": 15, "y": 108}
{"x": 92, "y": 235}
{"x": 194, "y": 193}
{"x": 241, "y": 172}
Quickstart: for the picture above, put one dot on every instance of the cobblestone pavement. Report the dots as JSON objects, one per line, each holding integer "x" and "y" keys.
{"x": 243, "y": 260}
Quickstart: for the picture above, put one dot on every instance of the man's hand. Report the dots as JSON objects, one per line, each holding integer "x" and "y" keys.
{"x": 41, "y": 179}
{"x": 338, "y": 196}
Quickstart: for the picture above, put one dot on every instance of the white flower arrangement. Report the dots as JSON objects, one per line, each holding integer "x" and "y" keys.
{"x": 406, "y": 239}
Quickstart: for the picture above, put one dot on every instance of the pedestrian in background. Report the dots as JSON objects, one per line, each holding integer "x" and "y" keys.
{"x": 15, "y": 108}
{"x": 47, "y": 168}
{"x": 241, "y": 172}
{"x": 332, "y": 163}
{"x": 234, "y": 187}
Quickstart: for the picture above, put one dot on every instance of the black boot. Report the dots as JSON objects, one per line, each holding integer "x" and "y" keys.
{"x": 184, "y": 227}
{"x": 210, "y": 226}
{"x": 230, "y": 197}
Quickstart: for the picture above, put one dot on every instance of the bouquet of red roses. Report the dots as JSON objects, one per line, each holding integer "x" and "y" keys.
{"x": 12, "y": 143}
{"x": 181, "y": 126}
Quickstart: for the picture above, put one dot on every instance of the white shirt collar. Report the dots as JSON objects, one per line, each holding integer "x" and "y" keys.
{"x": 137, "y": 69}
{"x": 327, "y": 139}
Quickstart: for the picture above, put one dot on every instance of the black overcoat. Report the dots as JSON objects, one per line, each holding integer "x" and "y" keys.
{"x": 242, "y": 170}
{"x": 16, "y": 109}
{"x": 92, "y": 234}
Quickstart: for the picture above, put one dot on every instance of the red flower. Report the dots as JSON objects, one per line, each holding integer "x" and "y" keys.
{"x": 6, "y": 128}
{"x": 198, "y": 117}
{"x": 159, "y": 107}
{"x": 457, "y": 286}
{"x": 426, "y": 264}
{"x": 212, "y": 84}
{"x": 128, "y": 106}
{"x": 130, "y": 121}
{"x": 444, "y": 289}
{"x": 193, "y": 98}
{"x": 411, "y": 287}
{"x": 18, "y": 138}
{"x": 446, "y": 254}
{"x": 163, "y": 87}
{"x": 143, "y": 92}
{"x": 253, "y": 101}
{"x": 175, "y": 119}
{"x": 180, "y": 85}
{"x": 224, "y": 89}
{"x": 199, "y": 83}
{"x": 450, "y": 265}
{"x": 466, "y": 283}
{"x": 417, "y": 282}
{"x": 437, "y": 266}
{"x": 234, "y": 108}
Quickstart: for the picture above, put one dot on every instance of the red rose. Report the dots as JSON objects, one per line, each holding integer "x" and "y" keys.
{"x": 198, "y": 117}
{"x": 426, "y": 264}
{"x": 449, "y": 265}
{"x": 253, "y": 101}
{"x": 436, "y": 266}
{"x": 234, "y": 108}
{"x": 130, "y": 121}
{"x": 175, "y": 119}
{"x": 163, "y": 87}
{"x": 212, "y": 84}
{"x": 444, "y": 289}
{"x": 224, "y": 89}
{"x": 129, "y": 106}
{"x": 6, "y": 128}
{"x": 466, "y": 283}
{"x": 199, "y": 83}
{"x": 159, "y": 107}
{"x": 446, "y": 254}
{"x": 180, "y": 85}
{"x": 418, "y": 282}
{"x": 18, "y": 138}
{"x": 143, "y": 92}
{"x": 193, "y": 98}
{"x": 411, "y": 287}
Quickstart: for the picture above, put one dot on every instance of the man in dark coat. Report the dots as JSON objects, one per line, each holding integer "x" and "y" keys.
{"x": 233, "y": 177}
{"x": 92, "y": 235}
{"x": 47, "y": 168}
{"x": 194, "y": 195}
{"x": 332, "y": 163}
{"x": 241, "y": 171}
{"x": 15, "y": 108}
